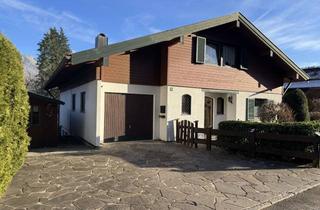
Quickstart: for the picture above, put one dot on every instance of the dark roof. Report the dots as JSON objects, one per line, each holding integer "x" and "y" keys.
{"x": 120, "y": 47}
{"x": 313, "y": 72}
{"x": 45, "y": 98}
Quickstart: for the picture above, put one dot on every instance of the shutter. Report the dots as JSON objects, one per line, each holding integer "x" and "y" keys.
{"x": 250, "y": 109}
{"x": 200, "y": 49}
{"x": 244, "y": 59}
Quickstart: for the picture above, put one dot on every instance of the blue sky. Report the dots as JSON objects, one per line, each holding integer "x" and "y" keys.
{"x": 293, "y": 25}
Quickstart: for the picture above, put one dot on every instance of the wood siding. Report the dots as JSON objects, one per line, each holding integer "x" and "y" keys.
{"x": 138, "y": 67}
{"x": 115, "y": 113}
{"x": 183, "y": 72}
{"x": 45, "y": 133}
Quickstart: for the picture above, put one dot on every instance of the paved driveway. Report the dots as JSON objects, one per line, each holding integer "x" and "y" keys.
{"x": 152, "y": 175}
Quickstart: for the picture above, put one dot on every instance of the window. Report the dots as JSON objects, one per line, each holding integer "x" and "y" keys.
{"x": 253, "y": 107}
{"x": 73, "y": 102}
{"x": 35, "y": 117}
{"x": 220, "y": 105}
{"x": 211, "y": 54}
{"x": 229, "y": 56}
{"x": 83, "y": 102}
{"x": 258, "y": 102}
{"x": 186, "y": 104}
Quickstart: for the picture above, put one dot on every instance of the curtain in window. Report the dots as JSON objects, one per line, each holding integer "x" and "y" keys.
{"x": 229, "y": 56}
{"x": 211, "y": 54}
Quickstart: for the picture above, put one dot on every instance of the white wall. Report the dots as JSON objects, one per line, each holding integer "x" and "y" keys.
{"x": 163, "y": 121}
{"x": 78, "y": 123}
{"x": 109, "y": 87}
{"x": 174, "y": 104}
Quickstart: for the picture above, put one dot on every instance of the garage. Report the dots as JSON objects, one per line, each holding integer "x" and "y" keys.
{"x": 128, "y": 117}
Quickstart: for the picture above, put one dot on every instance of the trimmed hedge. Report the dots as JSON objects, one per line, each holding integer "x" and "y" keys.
{"x": 14, "y": 113}
{"x": 291, "y": 128}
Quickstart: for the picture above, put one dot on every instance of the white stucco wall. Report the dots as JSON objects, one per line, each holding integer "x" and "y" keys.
{"x": 108, "y": 87}
{"x": 78, "y": 123}
{"x": 163, "y": 120}
{"x": 174, "y": 104}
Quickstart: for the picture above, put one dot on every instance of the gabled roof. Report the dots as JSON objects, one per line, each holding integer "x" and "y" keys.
{"x": 95, "y": 54}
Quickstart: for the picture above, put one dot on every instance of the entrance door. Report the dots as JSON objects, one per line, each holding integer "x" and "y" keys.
{"x": 208, "y": 112}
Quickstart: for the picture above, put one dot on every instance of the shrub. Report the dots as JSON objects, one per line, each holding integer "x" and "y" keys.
{"x": 268, "y": 112}
{"x": 290, "y": 128}
{"x": 13, "y": 113}
{"x": 314, "y": 105}
{"x": 284, "y": 113}
{"x": 298, "y": 102}
{"x": 315, "y": 115}
{"x": 271, "y": 112}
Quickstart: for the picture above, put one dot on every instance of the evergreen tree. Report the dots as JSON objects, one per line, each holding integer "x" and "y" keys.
{"x": 14, "y": 113}
{"x": 52, "y": 48}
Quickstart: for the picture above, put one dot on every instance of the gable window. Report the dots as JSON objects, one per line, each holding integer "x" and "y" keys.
{"x": 83, "y": 102}
{"x": 211, "y": 54}
{"x": 73, "y": 102}
{"x": 220, "y": 106}
{"x": 35, "y": 117}
{"x": 186, "y": 104}
{"x": 229, "y": 56}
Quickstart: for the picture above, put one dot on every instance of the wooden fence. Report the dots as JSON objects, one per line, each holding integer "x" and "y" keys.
{"x": 190, "y": 134}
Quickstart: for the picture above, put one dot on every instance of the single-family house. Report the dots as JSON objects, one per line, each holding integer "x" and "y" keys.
{"x": 211, "y": 71}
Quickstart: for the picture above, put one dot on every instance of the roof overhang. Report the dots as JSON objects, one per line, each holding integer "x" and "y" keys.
{"x": 95, "y": 54}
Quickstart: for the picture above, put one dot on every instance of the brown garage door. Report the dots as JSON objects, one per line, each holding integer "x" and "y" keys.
{"x": 128, "y": 116}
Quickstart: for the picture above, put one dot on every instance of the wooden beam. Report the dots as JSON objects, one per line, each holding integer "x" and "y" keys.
{"x": 238, "y": 24}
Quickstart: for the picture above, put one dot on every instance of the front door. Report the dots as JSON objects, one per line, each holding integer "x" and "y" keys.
{"x": 208, "y": 112}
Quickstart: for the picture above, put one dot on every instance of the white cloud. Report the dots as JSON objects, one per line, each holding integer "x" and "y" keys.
{"x": 42, "y": 19}
{"x": 292, "y": 24}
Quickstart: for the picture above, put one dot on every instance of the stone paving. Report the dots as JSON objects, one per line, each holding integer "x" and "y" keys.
{"x": 152, "y": 175}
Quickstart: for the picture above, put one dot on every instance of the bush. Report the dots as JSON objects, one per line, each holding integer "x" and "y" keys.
{"x": 271, "y": 112}
{"x": 14, "y": 113}
{"x": 291, "y": 128}
{"x": 284, "y": 113}
{"x": 268, "y": 112}
{"x": 314, "y": 105}
{"x": 315, "y": 115}
{"x": 297, "y": 101}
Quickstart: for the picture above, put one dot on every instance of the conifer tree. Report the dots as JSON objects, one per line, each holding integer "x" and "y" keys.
{"x": 52, "y": 48}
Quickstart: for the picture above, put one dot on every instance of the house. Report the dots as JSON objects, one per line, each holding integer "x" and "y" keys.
{"x": 215, "y": 70}
{"x": 310, "y": 87}
{"x": 44, "y": 120}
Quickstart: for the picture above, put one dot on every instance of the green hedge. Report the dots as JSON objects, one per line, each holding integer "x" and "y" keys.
{"x": 14, "y": 113}
{"x": 293, "y": 128}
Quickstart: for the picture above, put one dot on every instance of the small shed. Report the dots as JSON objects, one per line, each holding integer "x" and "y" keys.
{"x": 44, "y": 120}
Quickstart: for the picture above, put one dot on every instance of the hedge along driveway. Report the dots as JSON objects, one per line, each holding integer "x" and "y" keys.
{"x": 155, "y": 175}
